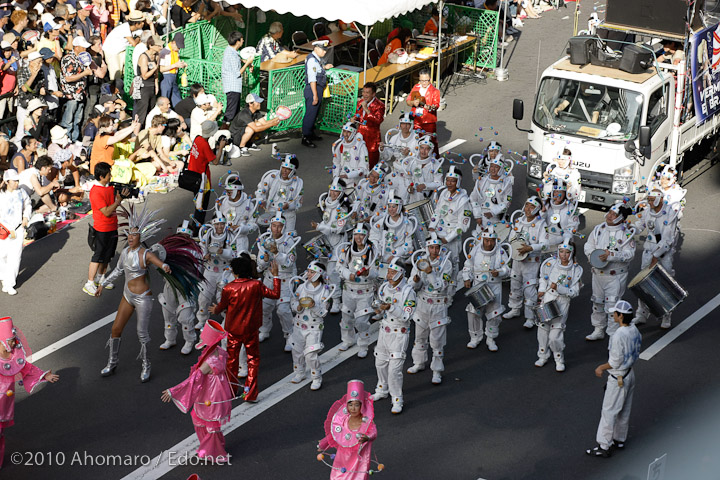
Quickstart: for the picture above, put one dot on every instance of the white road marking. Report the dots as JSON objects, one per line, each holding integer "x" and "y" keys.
{"x": 681, "y": 328}
{"x": 71, "y": 338}
{"x": 242, "y": 414}
{"x": 452, "y": 144}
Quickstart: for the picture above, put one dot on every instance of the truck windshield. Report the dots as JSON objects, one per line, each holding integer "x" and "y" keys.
{"x": 588, "y": 109}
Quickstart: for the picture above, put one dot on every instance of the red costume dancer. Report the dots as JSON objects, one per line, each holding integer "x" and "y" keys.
{"x": 207, "y": 393}
{"x": 14, "y": 364}
{"x": 242, "y": 298}
{"x": 424, "y": 99}
{"x": 370, "y": 114}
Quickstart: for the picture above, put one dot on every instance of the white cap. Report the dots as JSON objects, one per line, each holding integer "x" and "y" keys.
{"x": 81, "y": 42}
{"x": 621, "y": 306}
{"x": 11, "y": 175}
{"x": 34, "y": 56}
{"x": 202, "y": 99}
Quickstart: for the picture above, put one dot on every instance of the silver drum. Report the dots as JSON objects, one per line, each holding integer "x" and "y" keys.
{"x": 547, "y": 312}
{"x": 660, "y": 292}
{"x": 318, "y": 248}
{"x": 480, "y": 295}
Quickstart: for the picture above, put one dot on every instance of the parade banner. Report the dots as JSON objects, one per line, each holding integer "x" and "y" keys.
{"x": 705, "y": 62}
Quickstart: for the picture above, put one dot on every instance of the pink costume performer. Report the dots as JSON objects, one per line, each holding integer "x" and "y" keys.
{"x": 207, "y": 392}
{"x": 13, "y": 364}
{"x": 352, "y": 459}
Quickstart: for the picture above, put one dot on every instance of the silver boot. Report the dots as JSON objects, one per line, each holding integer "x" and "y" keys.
{"x": 145, "y": 372}
{"x": 114, "y": 345}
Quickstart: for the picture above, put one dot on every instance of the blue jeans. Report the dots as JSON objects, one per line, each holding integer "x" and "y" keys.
{"x": 169, "y": 88}
{"x": 72, "y": 118}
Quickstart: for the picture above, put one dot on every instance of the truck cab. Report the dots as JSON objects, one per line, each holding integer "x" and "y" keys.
{"x": 597, "y": 113}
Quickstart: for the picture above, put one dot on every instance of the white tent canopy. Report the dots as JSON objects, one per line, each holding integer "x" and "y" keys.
{"x": 367, "y": 12}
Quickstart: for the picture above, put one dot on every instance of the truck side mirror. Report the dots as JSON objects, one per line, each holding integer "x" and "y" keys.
{"x": 630, "y": 147}
{"x": 644, "y": 136}
{"x": 518, "y": 109}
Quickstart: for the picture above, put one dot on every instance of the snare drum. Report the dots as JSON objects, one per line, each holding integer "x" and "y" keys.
{"x": 423, "y": 210}
{"x": 515, "y": 246}
{"x": 318, "y": 247}
{"x": 547, "y": 312}
{"x": 480, "y": 295}
{"x": 595, "y": 258}
{"x": 660, "y": 292}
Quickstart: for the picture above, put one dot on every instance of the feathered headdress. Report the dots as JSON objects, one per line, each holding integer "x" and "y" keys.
{"x": 185, "y": 259}
{"x": 144, "y": 221}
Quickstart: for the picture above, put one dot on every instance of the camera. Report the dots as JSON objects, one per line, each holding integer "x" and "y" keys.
{"x": 132, "y": 189}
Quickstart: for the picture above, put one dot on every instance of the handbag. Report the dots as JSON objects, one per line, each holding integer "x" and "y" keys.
{"x": 4, "y": 232}
{"x": 92, "y": 235}
{"x": 37, "y": 230}
{"x": 189, "y": 180}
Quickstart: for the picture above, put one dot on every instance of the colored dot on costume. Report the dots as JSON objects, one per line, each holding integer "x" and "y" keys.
{"x": 481, "y": 139}
{"x": 208, "y": 403}
{"x": 320, "y": 457}
{"x": 9, "y": 393}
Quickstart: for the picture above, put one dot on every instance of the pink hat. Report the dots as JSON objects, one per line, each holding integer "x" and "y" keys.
{"x": 336, "y": 421}
{"x": 7, "y": 332}
{"x": 211, "y": 334}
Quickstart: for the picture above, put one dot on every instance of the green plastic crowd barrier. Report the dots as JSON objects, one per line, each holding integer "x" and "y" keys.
{"x": 481, "y": 23}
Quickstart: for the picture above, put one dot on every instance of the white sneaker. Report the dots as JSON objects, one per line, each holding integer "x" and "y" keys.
{"x": 529, "y": 324}
{"x": 541, "y": 362}
{"x": 437, "y": 378}
{"x": 597, "y": 334}
{"x": 254, "y": 148}
{"x": 514, "y": 312}
{"x": 187, "y": 348}
{"x": 362, "y": 353}
{"x": 244, "y": 152}
{"x": 559, "y": 367}
{"x": 109, "y": 286}
{"x": 335, "y": 307}
{"x": 416, "y": 368}
{"x": 316, "y": 384}
{"x": 263, "y": 337}
{"x": 167, "y": 344}
{"x": 379, "y": 395}
{"x": 243, "y": 371}
{"x": 492, "y": 346}
{"x": 89, "y": 288}
{"x": 474, "y": 342}
{"x": 298, "y": 377}
{"x": 509, "y": 38}
{"x": 10, "y": 290}
{"x": 288, "y": 346}
{"x": 666, "y": 321}
{"x": 345, "y": 346}
{"x": 397, "y": 407}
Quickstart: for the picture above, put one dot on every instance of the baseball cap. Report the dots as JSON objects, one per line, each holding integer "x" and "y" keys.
{"x": 106, "y": 98}
{"x": 202, "y": 99}
{"x": 81, "y": 42}
{"x": 11, "y": 175}
{"x": 51, "y": 25}
{"x": 621, "y": 306}
{"x": 46, "y": 53}
{"x": 5, "y": 45}
{"x": 85, "y": 5}
{"x": 179, "y": 40}
{"x": 34, "y": 56}
{"x": 254, "y": 98}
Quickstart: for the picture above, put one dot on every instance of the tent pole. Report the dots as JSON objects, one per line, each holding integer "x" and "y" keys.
{"x": 440, "y": 9}
{"x": 502, "y": 49}
{"x": 366, "y": 36}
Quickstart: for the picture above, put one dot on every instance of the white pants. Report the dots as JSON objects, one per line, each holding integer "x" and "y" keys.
{"x": 283, "y": 311}
{"x": 492, "y": 312}
{"x": 523, "y": 285}
{"x": 334, "y": 279}
{"x": 389, "y": 358}
{"x": 666, "y": 261}
{"x": 430, "y": 327}
{"x": 306, "y": 341}
{"x": 20, "y": 115}
{"x": 209, "y": 290}
{"x": 185, "y": 317}
{"x": 615, "y": 416}
{"x": 551, "y": 336}
{"x": 356, "y": 310}
{"x": 606, "y": 291}
{"x": 116, "y": 64}
{"x": 10, "y": 253}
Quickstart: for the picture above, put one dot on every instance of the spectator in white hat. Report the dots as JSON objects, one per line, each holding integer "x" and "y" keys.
{"x": 15, "y": 211}
{"x": 74, "y": 81}
{"x": 117, "y": 41}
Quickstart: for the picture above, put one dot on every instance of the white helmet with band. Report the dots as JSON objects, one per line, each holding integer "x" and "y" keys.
{"x": 185, "y": 228}
{"x": 393, "y": 199}
{"x": 233, "y": 183}
{"x": 566, "y": 246}
{"x": 406, "y": 118}
{"x": 337, "y": 185}
{"x": 398, "y": 267}
{"x": 218, "y": 218}
{"x": 535, "y": 202}
{"x": 361, "y": 229}
{"x": 278, "y": 218}
{"x": 621, "y": 210}
{"x": 350, "y": 127}
{"x": 379, "y": 168}
{"x": 489, "y": 233}
{"x": 494, "y": 146}
{"x": 317, "y": 271}
{"x": 453, "y": 173}
{"x": 433, "y": 240}
{"x": 427, "y": 141}
{"x": 497, "y": 161}
{"x": 565, "y": 158}
{"x": 288, "y": 162}
{"x": 669, "y": 173}
{"x": 658, "y": 195}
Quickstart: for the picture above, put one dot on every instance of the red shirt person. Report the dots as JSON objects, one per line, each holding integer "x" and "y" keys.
{"x": 424, "y": 99}
{"x": 242, "y": 298}
{"x": 199, "y": 160}
{"x": 370, "y": 114}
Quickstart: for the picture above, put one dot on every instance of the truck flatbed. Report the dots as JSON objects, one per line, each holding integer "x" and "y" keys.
{"x": 615, "y": 73}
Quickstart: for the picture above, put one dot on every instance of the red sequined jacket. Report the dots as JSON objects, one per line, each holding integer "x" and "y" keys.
{"x": 243, "y": 300}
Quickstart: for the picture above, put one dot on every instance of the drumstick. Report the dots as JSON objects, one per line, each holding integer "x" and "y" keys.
{"x": 311, "y": 231}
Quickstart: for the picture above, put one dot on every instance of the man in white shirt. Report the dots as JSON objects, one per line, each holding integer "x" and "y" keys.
{"x": 118, "y": 40}
{"x": 162, "y": 107}
{"x": 41, "y": 196}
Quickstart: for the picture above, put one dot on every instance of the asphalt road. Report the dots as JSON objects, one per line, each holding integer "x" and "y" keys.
{"x": 495, "y": 416}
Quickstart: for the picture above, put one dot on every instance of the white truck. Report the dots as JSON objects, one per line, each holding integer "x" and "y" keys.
{"x": 619, "y": 127}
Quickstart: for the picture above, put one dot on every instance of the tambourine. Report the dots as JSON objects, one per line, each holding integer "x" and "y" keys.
{"x": 306, "y": 302}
